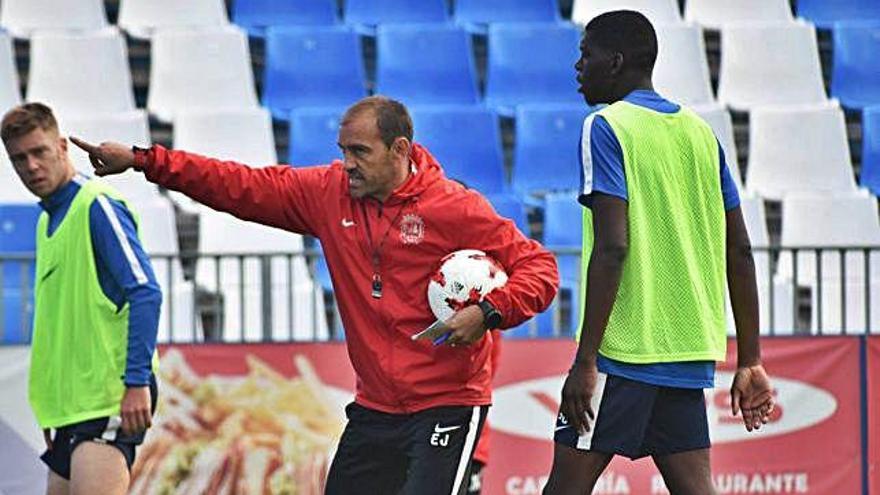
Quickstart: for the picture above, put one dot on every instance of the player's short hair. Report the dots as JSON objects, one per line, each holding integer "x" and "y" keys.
{"x": 627, "y": 32}
{"x": 25, "y": 118}
{"x": 392, "y": 117}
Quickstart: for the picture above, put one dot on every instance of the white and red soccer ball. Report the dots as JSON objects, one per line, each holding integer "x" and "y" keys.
{"x": 463, "y": 278}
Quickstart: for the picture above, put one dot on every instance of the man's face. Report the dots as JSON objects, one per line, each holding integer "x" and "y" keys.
{"x": 595, "y": 72}
{"x": 40, "y": 160}
{"x": 369, "y": 163}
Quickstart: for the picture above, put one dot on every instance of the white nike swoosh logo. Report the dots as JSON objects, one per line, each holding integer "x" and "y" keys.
{"x": 444, "y": 429}
{"x": 562, "y": 427}
{"x": 347, "y": 223}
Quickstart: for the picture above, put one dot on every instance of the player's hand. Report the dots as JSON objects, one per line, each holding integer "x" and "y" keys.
{"x": 466, "y": 325}
{"x": 577, "y": 394}
{"x": 47, "y": 436}
{"x": 108, "y": 158}
{"x": 751, "y": 393}
{"x": 136, "y": 410}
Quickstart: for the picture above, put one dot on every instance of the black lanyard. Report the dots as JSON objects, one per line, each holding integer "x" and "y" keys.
{"x": 376, "y": 251}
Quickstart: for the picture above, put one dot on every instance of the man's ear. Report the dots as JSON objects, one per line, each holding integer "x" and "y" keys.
{"x": 62, "y": 142}
{"x": 616, "y": 66}
{"x": 401, "y": 147}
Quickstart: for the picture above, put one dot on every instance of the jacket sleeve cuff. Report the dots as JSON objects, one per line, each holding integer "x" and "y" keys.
{"x": 501, "y": 302}
{"x": 143, "y": 157}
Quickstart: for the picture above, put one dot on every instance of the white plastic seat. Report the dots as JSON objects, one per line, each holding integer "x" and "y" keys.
{"x": 200, "y": 70}
{"x": 659, "y": 12}
{"x": 22, "y": 17}
{"x": 713, "y": 14}
{"x": 294, "y": 298}
{"x": 81, "y": 74}
{"x": 682, "y": 72}
{"x": 158, "y": 233}
{"x": 129, "y": 127}
{"x": 141, "y": 18}
{"x": 719, "y": 119}
{"x": 10, "y": 94}
{"x": 796, "y": 149}
{"x": 243, "y": 135}
{"x": 834, "y": 221}
{"x": 11, "y": 188}
{"x": 769, "y": 63}
{"x": 756, "y": 225}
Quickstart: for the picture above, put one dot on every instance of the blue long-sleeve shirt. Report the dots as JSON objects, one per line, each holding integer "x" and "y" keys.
{"x": 124, "y": 272}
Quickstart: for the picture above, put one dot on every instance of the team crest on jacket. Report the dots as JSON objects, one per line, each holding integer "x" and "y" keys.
{"x": 412, "y": 229}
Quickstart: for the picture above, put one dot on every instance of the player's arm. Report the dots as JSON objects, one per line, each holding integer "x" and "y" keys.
{"x": 127, "y": 276}
{"x": 533, "y": 278}
{"x": 750, "y": 392}
{"x": 279, "y": 196}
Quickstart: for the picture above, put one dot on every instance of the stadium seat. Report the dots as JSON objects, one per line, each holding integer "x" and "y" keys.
{"x": 257, "y": 15}
{"x": 365, "y": 14}
{"x": 870, "y": 174}
{"x": 545, "y": 153}
{"x": 129, "y": 127}
{"x": 10, "y": 92}
{"x": 773, "y": 63}
{"x": 474, "y": 15}
{"x": 242, "y": 135}
{"x": 18, "y": 224}
{"x": 242, "y": 284}
{"x": 473, "y": 157}
{"x": 834, "y": 221}
{"x": 801, "y": 148}
{"x": 81, "y": 74}
{"x": 13, "y": 191}
{"x": 423, "y": 64}
{"x": 713, "y": 14}
{"x": 312, "y": 67}
{"x": 511, "y": 207}
{"x": 719, "y": 119}
{"x": 855, "y": 80}
{"x": 659, "y": 12}
{"x": 23, "y": 17}
{"x": 142, "y": 18}
{"x": 157, "y": 229}
{"x": 200, "y": 70}
{"x": 563, "y": 230}
{"x": 531, "y": 63}
{"x": 682, "y": 71}
{"x": 825, "y": 13}
{"x": 313, "y": 136}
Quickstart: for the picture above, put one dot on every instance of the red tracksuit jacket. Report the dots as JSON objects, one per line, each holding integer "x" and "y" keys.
{"x": 401, "y": 241}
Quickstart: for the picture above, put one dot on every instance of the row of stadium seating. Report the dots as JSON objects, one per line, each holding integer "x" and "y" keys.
{"x": 141, "y": 17}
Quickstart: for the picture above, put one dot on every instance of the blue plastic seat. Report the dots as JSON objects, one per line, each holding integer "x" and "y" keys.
{"x": 312, "y": 67}
{"x": 512, "y": 207}
{"x": 474, "y": 15}
{"x": 257, "y": 15}
{"x": 365, "y": 14}
{"x": 426, "y": 64}
{"x": 563, "y": 218}
{"x": 531, "y": 63}
{"x": 466, "y": 140}
{"x": 18, "y": 224}
{"x": 545, "y": 157}
{"x": 313, "y": 136}
{"x": 870, "y": 175}
{"x": 824, "y": 13}
{"x": 855, "y": 80}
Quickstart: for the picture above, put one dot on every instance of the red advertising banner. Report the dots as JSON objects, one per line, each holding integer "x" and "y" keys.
{"x": 266, "y": 418}
{"x": 812, "y": 444}
{"x": 874, "y": 415}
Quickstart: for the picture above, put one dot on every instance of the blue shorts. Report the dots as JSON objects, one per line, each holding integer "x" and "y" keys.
{"x": 637, "y": 419}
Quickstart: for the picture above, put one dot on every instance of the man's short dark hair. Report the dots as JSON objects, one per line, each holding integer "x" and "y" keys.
{"x": 627, "y": 32}
{"x": 392, "y": 117}
{"x": 25, "y": 118}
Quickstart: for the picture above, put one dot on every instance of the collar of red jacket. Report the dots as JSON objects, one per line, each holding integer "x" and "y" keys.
{"x": 426, "y": 172}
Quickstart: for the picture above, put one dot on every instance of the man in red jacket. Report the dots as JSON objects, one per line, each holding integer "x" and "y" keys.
{"x": 385, "y": 216}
